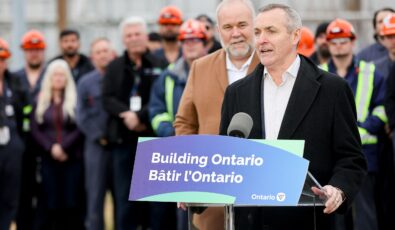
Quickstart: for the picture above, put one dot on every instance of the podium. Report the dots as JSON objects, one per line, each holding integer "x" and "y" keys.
{"x": 307, "y": 198}
{"x": 214, "y": 170}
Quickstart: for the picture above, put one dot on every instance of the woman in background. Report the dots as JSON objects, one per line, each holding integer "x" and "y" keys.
{"x": 55, "y": 130}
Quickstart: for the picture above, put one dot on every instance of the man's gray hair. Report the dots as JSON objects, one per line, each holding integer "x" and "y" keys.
{"x": 248, "y": 3}
{"x": 294, "y": 20}
{"x": 133, "y": 20}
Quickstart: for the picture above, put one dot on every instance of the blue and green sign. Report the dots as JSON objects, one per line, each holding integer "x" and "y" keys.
{"x": 220, "y": 170}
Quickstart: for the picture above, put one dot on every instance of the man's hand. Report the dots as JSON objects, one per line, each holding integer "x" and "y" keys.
{"x": 130, "y": 119}
{"x": 182, "y": 205}
{"x": 58, "y": 153}
{"x": 333, "y": 197}
{"x": 140, "y": 127}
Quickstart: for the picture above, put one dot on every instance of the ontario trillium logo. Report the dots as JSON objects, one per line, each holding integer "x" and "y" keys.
{"x": 280, "y": 196}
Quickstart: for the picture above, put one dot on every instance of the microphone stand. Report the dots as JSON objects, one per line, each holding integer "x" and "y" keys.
{"x": 229, "y": 217}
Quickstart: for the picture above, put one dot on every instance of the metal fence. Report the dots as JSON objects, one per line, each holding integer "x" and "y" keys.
{"x": 95, "y": 18}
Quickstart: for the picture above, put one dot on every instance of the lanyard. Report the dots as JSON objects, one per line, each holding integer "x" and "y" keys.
{"x": 136, "y": 83}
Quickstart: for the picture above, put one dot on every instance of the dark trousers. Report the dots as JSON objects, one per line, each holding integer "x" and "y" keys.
{"x": 64, "y": 219}
{"x": 10, "y": 179}
{"x": 162, "y": 214}
{"x": 182, "y": 219}
{"x": 386, "y": 184}
{"x": 126, "y": 213}
{"x": 281, "y": 218}
{"x": 61, "y": 202}
{"x": 29, "y": 187}
{"x": 97, "y": 162}
{"x": 365, "y": 214}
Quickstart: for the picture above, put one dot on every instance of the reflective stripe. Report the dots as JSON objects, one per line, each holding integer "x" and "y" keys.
{"x": 324, "y": 67}
{"x": 367, "y": 138}
{"x": 167, "y": 116}
{"x": 27, "y": 109}
{"x": 379, "y": 112}
{"x": 169, "y": 88}
{"x": 363, "y": 96}
{"x": 26, "y": 125}
{"x": 364, "y": 90}
{"x": 164, "y": 117}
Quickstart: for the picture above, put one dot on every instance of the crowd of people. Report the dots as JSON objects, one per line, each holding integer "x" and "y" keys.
{"x": 69, "y": 126}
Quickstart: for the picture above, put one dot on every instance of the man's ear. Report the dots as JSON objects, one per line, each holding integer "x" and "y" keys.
{"x": 296, "y": 34}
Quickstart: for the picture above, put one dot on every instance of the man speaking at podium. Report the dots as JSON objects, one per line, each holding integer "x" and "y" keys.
{"x": 288, "y": 97}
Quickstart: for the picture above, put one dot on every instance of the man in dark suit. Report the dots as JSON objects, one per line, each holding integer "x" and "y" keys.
{"x": 288, "y": 97}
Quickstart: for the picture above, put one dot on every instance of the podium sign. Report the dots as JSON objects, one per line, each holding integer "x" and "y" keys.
{"x": 219, "y": 170}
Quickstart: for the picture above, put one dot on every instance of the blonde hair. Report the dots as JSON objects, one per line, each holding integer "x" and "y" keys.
{"x": 45, "y": 96}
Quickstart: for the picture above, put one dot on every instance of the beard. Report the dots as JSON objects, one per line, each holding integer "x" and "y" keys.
{"x": 239, "y": 52}
{"x": 170, "y": 37}
{"x": 34, "y": 66}
{"x": 324, "y": 52}
{"x": 341, "y": 55}
{"x": 70, "y": 53}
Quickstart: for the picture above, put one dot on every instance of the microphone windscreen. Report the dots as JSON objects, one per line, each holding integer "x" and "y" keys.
{"x": 240, "y": 125}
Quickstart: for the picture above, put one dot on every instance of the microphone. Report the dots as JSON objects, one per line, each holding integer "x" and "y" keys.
{"x": 240, "y": 125}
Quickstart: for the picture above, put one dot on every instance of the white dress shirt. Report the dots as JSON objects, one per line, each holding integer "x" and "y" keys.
{"x": 234, "y": 73}
{"x": 276, "y": 98}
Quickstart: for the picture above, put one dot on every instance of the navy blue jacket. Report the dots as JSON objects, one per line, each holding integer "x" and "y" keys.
{"x": 372, "y": 124}
{"x": 91, "y": 116}
{"x": 157, "y": 104}
{"x": 22, "y": 75}
{"x": 372, "y": 53}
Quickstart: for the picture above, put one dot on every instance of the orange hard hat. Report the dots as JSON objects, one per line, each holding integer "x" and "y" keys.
{"x": 192, "y": 29}
{"x": 170, "y": 15}
{"x": 306, "y": 43}
{"x": 33, "y": 39}
{"x": 4, "y": 49}
{"x": 388, "y": 26}
{"x": 340, "y": 28}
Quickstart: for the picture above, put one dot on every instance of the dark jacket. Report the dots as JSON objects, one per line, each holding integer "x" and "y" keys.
{"x": 314, "y": 58}
{"x": 83, "y": 67}
{"x": 19, "y": 99}
{"x": 118, "y": 82}
{"x": 160, "y": 53}
{"x": 216, "y": 46}
{"x": 22, "y": 75}
{"x": 91, "y": 117}
{"x": 372, "y": 52}
{"x": 384, "y": 65}
{"x": 57, "y": 129}
{"x": 390, "y": 98}
{"x": 321, "y": 111}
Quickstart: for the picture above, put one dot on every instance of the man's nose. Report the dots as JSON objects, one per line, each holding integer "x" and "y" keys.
{"x": 236, "y": 31}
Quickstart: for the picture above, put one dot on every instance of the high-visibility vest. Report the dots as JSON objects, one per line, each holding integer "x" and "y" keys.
{"x": 26, "y": 120}
{"x": 167, "y": 116}
{"x": 363, "y": 96}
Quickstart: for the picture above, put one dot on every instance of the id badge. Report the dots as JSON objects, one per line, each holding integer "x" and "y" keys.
{"x": 9, "y": 110}
{"x": 135, "y": 103}
{"x": 4, "y": 135}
